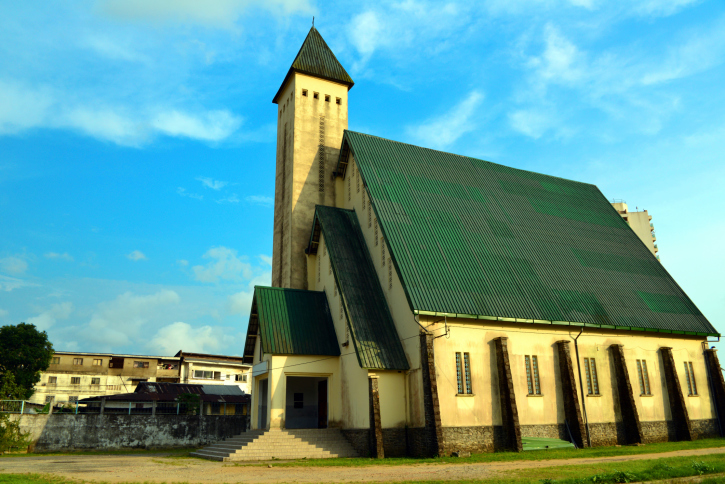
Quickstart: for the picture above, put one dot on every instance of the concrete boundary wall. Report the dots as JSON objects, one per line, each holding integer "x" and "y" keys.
{"x": 64, "y": 432}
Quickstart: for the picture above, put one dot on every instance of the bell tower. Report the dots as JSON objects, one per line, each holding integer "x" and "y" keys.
{"x": 311, "y": 118}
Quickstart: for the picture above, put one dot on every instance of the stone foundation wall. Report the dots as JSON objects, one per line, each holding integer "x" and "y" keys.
{"x": 552, "y": 431}
{"x": 419, "y": 442}
{"x": 395, "y": 442}
{"x": 68, "y": 432}
{"x": 359, "y": 439}
{"x": 705, "y": 429}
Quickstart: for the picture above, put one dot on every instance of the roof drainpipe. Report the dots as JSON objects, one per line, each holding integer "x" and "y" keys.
{"x": 581, "y": 385}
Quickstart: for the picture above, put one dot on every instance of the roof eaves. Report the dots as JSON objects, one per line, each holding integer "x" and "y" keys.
{"x": 560, "y": 323}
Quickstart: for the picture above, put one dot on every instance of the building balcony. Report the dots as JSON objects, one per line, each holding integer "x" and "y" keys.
{"x": 656, "y": 249}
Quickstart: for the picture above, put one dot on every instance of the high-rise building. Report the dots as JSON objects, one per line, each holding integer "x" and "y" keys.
{"x": 641, "y": 224}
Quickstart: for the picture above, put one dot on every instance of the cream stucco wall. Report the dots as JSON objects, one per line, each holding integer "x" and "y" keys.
{"x": 483, "y": 408}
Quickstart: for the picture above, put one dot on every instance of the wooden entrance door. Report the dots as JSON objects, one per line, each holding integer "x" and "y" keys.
{"x": 322, "y": 404}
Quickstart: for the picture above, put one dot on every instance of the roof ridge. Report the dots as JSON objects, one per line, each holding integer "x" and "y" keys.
{"x": 463, "y": 156}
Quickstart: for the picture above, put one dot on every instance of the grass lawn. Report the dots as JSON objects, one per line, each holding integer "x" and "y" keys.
{"x": 604, "y": 473}
{"x": 514, "y": 456}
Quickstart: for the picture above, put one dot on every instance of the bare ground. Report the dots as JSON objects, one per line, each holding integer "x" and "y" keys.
{"x": 150, "y": 468}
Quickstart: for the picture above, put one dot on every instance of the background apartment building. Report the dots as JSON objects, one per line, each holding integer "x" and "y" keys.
{"x": 199, "y": 368}
{"x": 73, "y": 376}
{"x": 641, "y": 223}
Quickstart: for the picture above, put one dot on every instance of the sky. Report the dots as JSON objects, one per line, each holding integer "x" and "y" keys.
{"x": 137, "y": 139}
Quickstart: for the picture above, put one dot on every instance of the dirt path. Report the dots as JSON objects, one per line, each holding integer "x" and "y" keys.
{"x": 149, "y": 468}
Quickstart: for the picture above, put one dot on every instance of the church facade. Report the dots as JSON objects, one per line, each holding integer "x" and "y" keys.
{"x": 425, "y": 302}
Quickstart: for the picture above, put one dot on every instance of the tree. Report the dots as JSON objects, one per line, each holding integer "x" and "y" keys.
{"x": 24, "y": 353}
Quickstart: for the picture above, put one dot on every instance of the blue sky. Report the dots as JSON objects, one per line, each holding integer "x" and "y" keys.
{"x": 137, "y": 139}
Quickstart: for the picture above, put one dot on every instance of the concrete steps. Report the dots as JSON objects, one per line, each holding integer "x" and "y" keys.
{"x": 279, "y": 444}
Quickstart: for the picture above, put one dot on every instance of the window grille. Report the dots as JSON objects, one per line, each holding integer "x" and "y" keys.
{"x": 363, "y": 200}
{"x": 459, "y": 373}
{"x": 375, "y": 222}
{"x": 467, "y": 368}
{"x": 537, "y": 385}
{"x": 370, "y": 214}
{"x": 382, "y": 253}
{"x": 329, "y": 267}
{"x": 643, "y": 378}
{"x": 349, "y": 189}
{"x": 690, "y": 375}
{"x": 342, "y": 309}
{"x": 590, "y": 368}
{"x": 532, "y": 374}
{"x": 75, "y": 380}
{"x": 357, "y": 180}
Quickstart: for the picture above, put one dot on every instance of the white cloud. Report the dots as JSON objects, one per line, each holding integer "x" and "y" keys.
{"x": 219, "y": 13}
{"x": 119, "y": 322}
{"x": 224, "y": 264}
{"x": 136, "y": 255}
{"x": 260, "y": 200}
{"x": 47, "y": 319}
{"x": 183, "y": 262}
{"x": 560, "y": 61}
{"x": 660, "y": 8}
{"x": 266, "y": 259}
{"x": 182, "y": 191}
{"x": 241, "y": 302}
{"x": 531, "y": 122}
{"x": 211, "y": 183}
{"x": 209, "y": 126}
{"x": 56, "y": 255}
{"x": 24, "y": 107}
{"x": 13, "y": 265}
{"x": 443, "y": 131}
{"x": 182, "y": 336}
{"x": 230, "y": 199}
{"x": 3, "y": 313}
{"x": 7, "y": 284}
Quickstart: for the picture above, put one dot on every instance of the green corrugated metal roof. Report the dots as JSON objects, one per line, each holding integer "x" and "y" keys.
{"x": 373, "y": 332}
{"x": 294, "y": 322}
{"x": 476, "y": 239}
{"x": 316, "y": 59}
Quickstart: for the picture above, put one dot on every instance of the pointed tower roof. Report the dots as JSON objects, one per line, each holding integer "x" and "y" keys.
{"x": 316, "y": 59}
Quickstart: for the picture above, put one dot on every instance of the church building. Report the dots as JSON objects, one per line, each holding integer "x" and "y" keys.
{"x": 425, "y": 302}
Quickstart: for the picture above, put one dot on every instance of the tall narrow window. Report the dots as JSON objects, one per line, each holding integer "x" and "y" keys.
{"x": 590, "y": 368}
{"x": 535, "y": 363}
{"x": 329, "y": 266}
{"x": 363, "y": 197}
{"x": 643, "y": 377}
{"x": 375, "y": 222}
{"x": 467, "y": 368}
{"x": 349, "y": 188}
{"x": 532, "y": 374}
{"x": 370, "y": 214}
{"x": 463, "y": 373}
{"x": 342, "y": 309}
{"x": 357, "y": 182}
{"x": 690, "y": 375}
{"x": 319, "y": 264}
{"x": 382, "y": 253}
